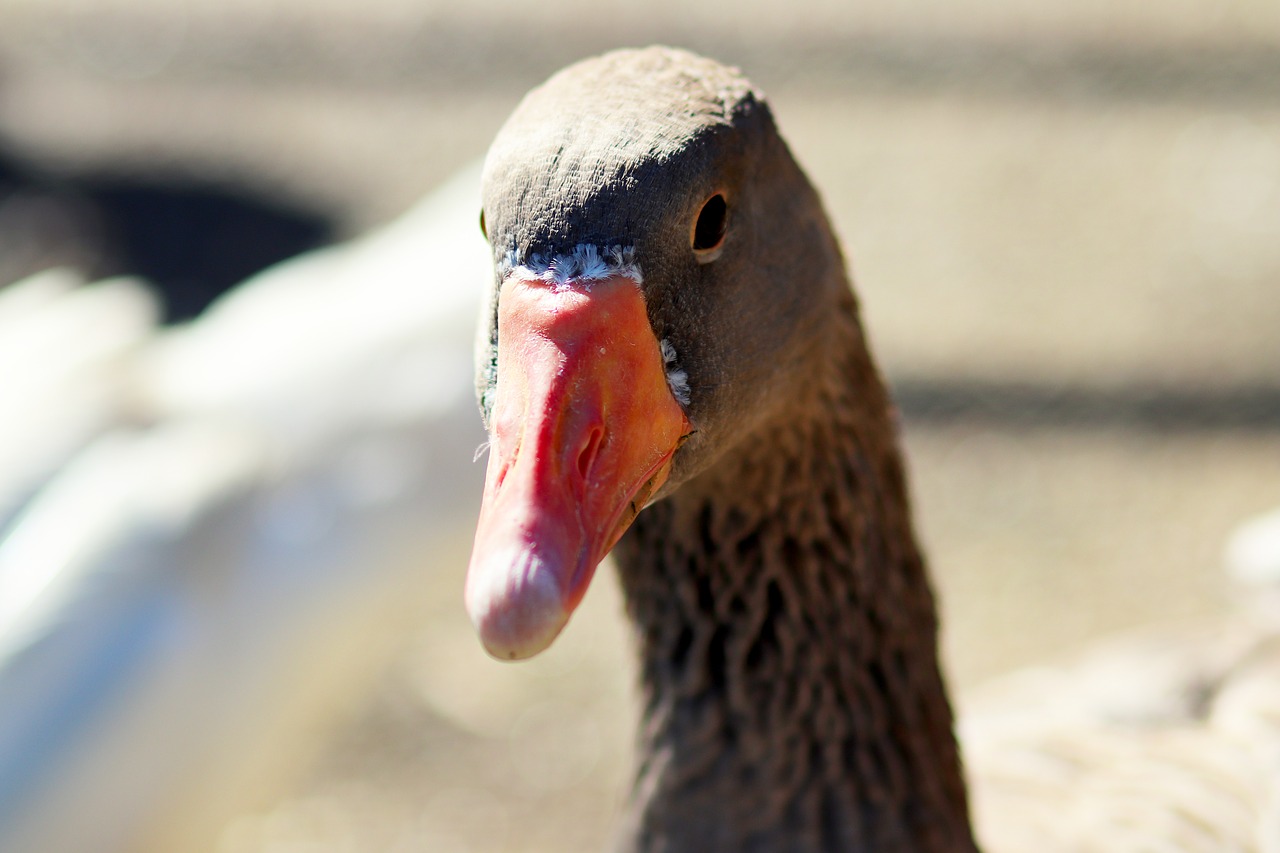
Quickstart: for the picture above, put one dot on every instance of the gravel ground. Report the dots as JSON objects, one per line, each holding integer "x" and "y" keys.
{"x": 1064, "y": 221}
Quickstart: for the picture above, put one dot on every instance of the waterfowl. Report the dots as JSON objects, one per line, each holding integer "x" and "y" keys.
{"x": 205, "y": 529}
{"x": 671, "y": 366}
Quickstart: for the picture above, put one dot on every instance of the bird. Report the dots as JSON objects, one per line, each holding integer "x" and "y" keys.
{"x": 672, "y": 368}
{"x": 211, "y": 534}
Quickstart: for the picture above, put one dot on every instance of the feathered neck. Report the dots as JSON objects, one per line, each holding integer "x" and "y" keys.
{"x": 788, "y": 637}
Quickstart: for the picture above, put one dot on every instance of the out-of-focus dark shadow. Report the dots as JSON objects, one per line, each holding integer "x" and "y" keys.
{"x": 192, "y": 239}
{"x": 1165, "y": 409}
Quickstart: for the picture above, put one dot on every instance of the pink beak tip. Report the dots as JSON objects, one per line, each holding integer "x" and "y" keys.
{"x": 515, "y": 602}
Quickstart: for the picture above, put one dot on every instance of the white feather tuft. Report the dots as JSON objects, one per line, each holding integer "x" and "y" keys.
{"x": 677, "y": 377}
{"x": 585, "y": 264}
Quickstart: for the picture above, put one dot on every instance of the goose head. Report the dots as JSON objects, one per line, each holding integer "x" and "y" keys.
{"x": 663, "y": 272}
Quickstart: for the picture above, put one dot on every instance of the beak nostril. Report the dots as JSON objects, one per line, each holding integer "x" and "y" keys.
{"x": 589, "y": 451}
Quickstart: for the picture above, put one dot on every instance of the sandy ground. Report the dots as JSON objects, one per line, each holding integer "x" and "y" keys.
{"x": 1065, "y": 224}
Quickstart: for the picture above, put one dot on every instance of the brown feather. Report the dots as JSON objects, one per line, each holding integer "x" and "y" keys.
{"x": 785, "y": 623}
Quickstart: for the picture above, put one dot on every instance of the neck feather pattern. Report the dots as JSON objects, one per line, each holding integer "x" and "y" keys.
{"x": 792, "y": 696}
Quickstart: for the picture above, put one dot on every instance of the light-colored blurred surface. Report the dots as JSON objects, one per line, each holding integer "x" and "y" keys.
{"x": 1064, "y": 220}
{"x": 220, "y": 532}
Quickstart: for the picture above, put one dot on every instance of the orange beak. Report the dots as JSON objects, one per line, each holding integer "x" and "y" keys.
{"x": 583, "y": 431}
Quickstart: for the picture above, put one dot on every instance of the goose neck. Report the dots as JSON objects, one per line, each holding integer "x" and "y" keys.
{"x": 788, "y": 640}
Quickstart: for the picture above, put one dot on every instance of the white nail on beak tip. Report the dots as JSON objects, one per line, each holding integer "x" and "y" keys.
{"x": 515, "y": 602}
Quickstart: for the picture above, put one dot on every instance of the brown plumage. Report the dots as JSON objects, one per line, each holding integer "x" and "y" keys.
{"x": 788, "y": 640}
{"x": 786, "y": 627}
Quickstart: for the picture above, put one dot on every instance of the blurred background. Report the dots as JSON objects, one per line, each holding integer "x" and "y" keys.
{"x": 232, "y": 538}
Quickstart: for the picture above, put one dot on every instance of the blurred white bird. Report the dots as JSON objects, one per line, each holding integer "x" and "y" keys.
{"x": 211, "y": 536}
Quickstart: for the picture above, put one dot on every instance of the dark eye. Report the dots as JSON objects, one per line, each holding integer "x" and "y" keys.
{"x": 708, "y": 230}
{"x": 483, "y": 230}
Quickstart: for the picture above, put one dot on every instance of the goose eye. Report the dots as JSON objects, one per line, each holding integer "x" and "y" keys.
{"x": 708, "y": 230}
{"x": 483, "y": 229}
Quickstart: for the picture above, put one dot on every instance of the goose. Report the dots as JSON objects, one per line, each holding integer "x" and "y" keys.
{"x": 209, "y": 533}
{"x": 672, "y": 368}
